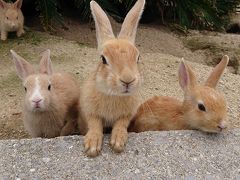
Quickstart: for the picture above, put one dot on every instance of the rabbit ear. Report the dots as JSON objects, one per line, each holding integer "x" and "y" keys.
{"x": 103, "y": 27}
{"x": 3, "y": 4}
{"x": 18, "y": 4}
{"x": 46, "y": 63}
{"x": 217, "y": 72}
{"x": 23, "y": 68}
{"x": 129, "y": 26}
{"x": 187, "y": 78}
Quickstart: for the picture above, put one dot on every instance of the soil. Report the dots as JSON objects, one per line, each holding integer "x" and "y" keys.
{"x": 74, "y": 51}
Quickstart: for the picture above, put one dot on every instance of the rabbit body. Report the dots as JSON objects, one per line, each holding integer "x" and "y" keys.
{"x": 109, "y": 97}
{"x": 203, "y": 107}
{"x": 51, "y": 104}
{"x": 11, "y": 19}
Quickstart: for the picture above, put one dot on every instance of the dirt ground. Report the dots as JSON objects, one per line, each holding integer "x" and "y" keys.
{"x": 75, "y": 51}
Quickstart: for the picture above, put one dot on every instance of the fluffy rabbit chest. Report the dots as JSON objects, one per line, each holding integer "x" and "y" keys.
{"x": 116, "y": 107}
{"x": 111, "y": 108}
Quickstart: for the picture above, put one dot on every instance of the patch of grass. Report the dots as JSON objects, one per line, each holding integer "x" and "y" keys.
{"x": 82, "y": 44}
{"x": 197, "y": 44}
{"x": 34, "y": 38}
{"x": 30, "y": 38}
{"x": 10, "y": 81}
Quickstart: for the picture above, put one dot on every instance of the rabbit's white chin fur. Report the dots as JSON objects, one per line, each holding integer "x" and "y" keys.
{"x": 33, "y": 108}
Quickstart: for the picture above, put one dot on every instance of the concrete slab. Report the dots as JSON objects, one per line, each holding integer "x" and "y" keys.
{"x": 149, "y": 155}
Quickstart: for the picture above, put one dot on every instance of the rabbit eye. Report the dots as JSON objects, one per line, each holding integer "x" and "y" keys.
{"x": 104, "y": 61}
{"x": 7, "y": 17}
{"x": 49, "y": 87}
{"x": 201, "y": 107}
{"x": 25, "y": 89}
{"x": 17, "y": 18}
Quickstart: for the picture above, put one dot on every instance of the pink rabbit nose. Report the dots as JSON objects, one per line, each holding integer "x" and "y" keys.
{"x": 222, "y": 126}
{"x": 37, "y": 101}
{"x": 13, "y": 25}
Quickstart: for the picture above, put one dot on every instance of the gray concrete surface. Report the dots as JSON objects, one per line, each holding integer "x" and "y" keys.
{"x": 150, "y": 155}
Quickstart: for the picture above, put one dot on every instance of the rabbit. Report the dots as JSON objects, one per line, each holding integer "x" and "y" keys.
{"x": 109, "y": 97}
{"x": 203, "y": 108}
{"x": 11, "y": 19}
{"x": 51, "y": 104}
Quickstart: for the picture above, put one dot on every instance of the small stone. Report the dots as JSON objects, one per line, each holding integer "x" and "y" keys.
{"x": 137, "y": 171}
{"x": 46, "y": 160}
{"x": 32, "y": 170}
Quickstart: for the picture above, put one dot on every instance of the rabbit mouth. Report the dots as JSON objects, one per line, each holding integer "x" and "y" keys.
{"x": 12, "y": 29}
{"x": 37, "y": 108}
{"x": 215, "y": 130}
{"x": 126, "y": 91}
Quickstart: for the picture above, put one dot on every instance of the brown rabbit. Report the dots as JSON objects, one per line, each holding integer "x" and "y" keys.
{"x": 203, "y": 107}
{"x": 51, "y": 100}
{"x": 109, "y": 97}
{"x": 11, "y": 18}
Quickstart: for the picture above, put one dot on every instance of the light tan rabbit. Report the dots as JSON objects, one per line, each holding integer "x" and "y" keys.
{"x": 11, "y": 18}
{"x": 51, "y": 100}
{"x": 109, "y": 97}
{"x": 203, "y": 107}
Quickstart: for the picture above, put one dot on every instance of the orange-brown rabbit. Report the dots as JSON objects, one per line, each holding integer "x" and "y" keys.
{"x": 203, "y": 107}
{"x": 109, "y": 96}
{"x": 51, "y": 100}
{"x": 11, "y": 18}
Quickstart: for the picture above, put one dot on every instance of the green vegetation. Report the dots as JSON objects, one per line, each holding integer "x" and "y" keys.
{"x": 197, "y": 14}
{"x": 33, "y": 38}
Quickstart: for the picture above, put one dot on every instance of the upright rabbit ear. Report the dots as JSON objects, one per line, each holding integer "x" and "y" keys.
{"x": 18, "y": 4}
{"x": 217, "y": 72}
{"x": 23, "y": 68}
{"x": 187, "y": 78}
{"x": 3, "y": 4}
{"x": 46, "y": 63}
{"x": 129, "y": 26}
{"x": 104, "y": 30}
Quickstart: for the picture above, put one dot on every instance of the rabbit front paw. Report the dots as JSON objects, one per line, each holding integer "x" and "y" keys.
{"x": 93, "y": 143}
{"x": 20, "y": 32}
{"x": 3, "y": 36}
{"x": 118, "y": 139}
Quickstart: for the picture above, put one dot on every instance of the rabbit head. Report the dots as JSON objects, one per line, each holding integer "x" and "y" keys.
{"x": 13, "y": 17}
{"x": 118, "y": 72}
{"x": 204, "y": 107}
{"x": 37, "y": 86}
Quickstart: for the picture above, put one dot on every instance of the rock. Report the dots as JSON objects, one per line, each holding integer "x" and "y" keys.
{"x": 149, "y": 155}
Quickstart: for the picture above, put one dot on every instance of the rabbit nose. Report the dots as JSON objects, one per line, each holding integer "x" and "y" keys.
{"x": 127, "y": 83}
{"x": 222, "y": 125}
{"x": 37, "y": 101}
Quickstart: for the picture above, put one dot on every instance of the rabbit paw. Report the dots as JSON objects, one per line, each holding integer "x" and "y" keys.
{"x": 93, "y": 143}
{"x": 20, "y": 33}
{"x": 118, "y": 140}
{"x": 3, "y": 36}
